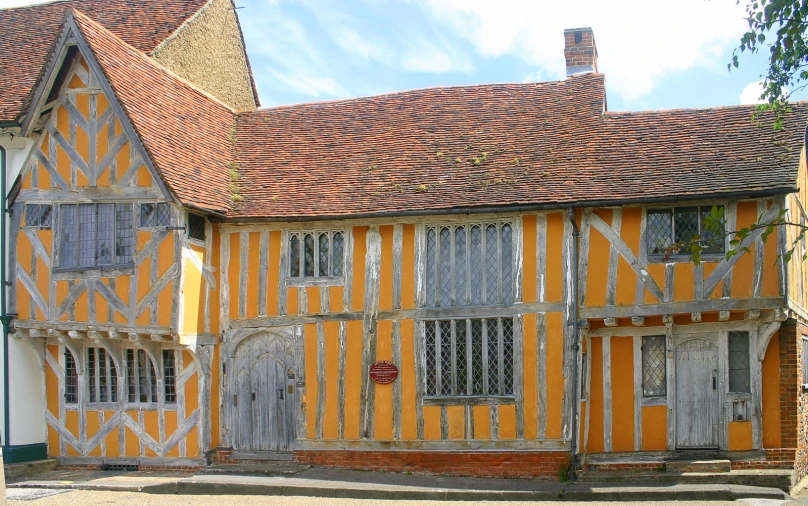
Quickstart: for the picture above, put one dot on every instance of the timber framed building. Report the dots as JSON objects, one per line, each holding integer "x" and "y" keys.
{"x": 196, "y": 279}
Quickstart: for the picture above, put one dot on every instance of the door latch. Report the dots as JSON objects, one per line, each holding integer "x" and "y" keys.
{"x": 713, "y": 382}
{"x": 253, "y": 396}
{"x": 281, "y": 391}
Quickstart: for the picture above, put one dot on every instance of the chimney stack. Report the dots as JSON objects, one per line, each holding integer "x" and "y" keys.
{"x": 580, "y": 51}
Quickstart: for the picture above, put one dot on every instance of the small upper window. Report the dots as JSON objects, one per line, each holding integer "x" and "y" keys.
{"x": 196, "y": 227}
{"x": 316, "y": 254}
{"x": 39, "y": 215}
{"x": 682, "y": 225}
{"x": 155, "y": 215}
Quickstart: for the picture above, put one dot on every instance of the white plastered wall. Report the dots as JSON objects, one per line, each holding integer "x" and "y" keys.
{"x": 26, "y": 376}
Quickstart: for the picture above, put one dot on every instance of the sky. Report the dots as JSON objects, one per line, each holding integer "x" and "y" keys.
{"x": 656, "y": 54}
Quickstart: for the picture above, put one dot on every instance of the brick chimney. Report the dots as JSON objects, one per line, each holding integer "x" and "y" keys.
{"x": 580, "y": 51}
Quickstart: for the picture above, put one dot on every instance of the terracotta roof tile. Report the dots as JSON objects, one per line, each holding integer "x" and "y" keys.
{"x": 23, "y": 49}
{"x": 186, "y": 132}
{"x": 499, "y": 145}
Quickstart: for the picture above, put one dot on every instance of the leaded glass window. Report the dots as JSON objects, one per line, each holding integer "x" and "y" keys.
{"x": 95, "y": 235}
{"x": 469, "y": 265}
{"x": 38, "y": 215}
{"x": 155, "y": 215}
{"x": 102, "y": 376}
{"x": 141, "y": 380}
{"x": 654, "y": 370}
{"x": 196, "y": 227}
{"x": 739, "y": 371}
{"x": 666, "y": 227}
{"x": 71, "y": 379}
{"x": 469, "y": 357}
{"x": 316, "y": 254}
{"x": 169, "y": 377}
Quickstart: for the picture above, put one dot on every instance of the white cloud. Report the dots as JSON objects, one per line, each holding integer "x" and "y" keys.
{"x": 751, "y": 93}
{"x": 308, "y": 84}
{"x": 639, "y": 41}
{"x": 424, "y": 55}
{"x": 366, "y": 48}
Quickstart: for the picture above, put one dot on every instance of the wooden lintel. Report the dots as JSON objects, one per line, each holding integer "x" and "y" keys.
{"x": 695, "y": 317}
{"x": 753, "y": 314}
{"x": 638, "y": 321}
{"x": 723, "y": 316}
{"x": 610, "y": 322}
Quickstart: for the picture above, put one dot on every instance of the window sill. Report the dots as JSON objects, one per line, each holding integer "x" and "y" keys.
{"x": 680, "y": 259}
{"x": 660, "y": 400}
{"x": 473, "y": 400}
{"x": 81, "y": 272}
{"x": 315, "y": 281}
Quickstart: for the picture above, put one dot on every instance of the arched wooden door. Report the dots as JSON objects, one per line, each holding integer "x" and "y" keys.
{"x": 263, "y": 404}
{"x": 697, "y": 406}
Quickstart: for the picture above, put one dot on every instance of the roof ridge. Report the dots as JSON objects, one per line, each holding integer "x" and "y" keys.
{"x": 340, "y": 101}
{"x": 179, "y": 28}
{"x": 695, "y": 109}
{"x": 149, "y": 60}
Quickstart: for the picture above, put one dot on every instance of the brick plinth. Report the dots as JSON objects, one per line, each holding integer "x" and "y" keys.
{"x": 511, "y": 464}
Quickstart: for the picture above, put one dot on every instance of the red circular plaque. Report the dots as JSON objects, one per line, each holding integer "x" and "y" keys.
{"x": 383, "y": 372}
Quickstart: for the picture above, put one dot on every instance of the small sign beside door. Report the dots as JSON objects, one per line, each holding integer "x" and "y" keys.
{"x": 383, "y": 372}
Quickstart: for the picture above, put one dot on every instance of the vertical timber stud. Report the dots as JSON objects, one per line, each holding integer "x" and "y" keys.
{"x": 569, "y": 315}
{"x": 757, "y": 284}
{"x": 518, "y": 374}
{"x": 541, "y": 327}
{"x": 321, "y": 390}
{"x": 284, "y": 270}
{"x": 607, "y": 394}
{"x": 611, "y": 284}
{"x": 756, "y": 387}
{"x": 419, "y": 329}
{"x": 670, "y": 370}
{"x": 369, "y": 328}
{"x": 341, "y": 380}
{"x": 638, "y": 393}
{"x": 300, "y": 363}
{"x": 730, "y": 212}
{"x": 263, "y": 268}
{"x": 642, "y": 257}
{"x": 583, "y": 264}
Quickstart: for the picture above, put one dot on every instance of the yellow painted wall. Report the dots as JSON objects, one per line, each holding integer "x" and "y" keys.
{"x": 595, "y": 442}
{"x": 622, "y": 354}
{"x": 771, "y": 395}
{"x": 654, "y": 428}
{"x": 740, "y": 436}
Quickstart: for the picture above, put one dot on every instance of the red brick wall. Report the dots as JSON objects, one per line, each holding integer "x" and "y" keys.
{"x": 793, "y": 407}
{"x": 511, "y": 464}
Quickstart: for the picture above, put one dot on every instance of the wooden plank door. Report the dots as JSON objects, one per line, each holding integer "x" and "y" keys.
{"x": 697, "y": 407}
{"x": 263, "y": 415}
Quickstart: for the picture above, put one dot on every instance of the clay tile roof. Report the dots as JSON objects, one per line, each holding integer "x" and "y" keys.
{"x": 499, "y": 145}
{"x": 24, "y": 47}
{"x": 186, "y": 132}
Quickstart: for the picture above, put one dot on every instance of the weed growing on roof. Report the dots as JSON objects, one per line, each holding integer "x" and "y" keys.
{"x": 458, "y": 160}
{"x": 399, "y": 187}
{"x": 439, "y": 154}
{"x": 421, "y": 188}
{"x": 371, "y": 168}
{"x": 234, "y": 171}
{"x": 516, "y": 162}
{"x": 231, "y": 136}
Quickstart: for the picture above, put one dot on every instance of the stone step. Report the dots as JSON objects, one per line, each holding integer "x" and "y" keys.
{"x": 264, "y": 469}
{"x": 698, "y": 466}
{"x": 779, "y": 478}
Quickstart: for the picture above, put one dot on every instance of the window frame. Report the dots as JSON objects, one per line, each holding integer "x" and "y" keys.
{"x": 197, "y": 240}
{"x": 112, "y": 386}
{"x": 154, "y": 400}
{"x": 170, "y": 380}
{"x": 59, "y": 209}
{"x": 157, "y": 226}
{"x": 656, "y": 397}
{"x": 730, "y": 369}
{"x": 503, "y": 396}
{"x": 71, "y": 379}
{"x": 316, "y": 280}
{"x": 38, "y": 226}
{"x": 804, "y": 363}
{"x": 433, "y": 300}
{"x": 676, "y": 256}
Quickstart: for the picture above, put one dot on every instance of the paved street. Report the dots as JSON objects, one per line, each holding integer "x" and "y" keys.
{"x": 32, "y": 497}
